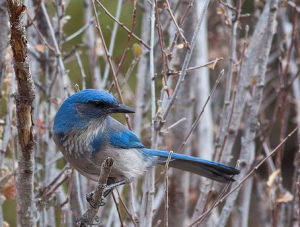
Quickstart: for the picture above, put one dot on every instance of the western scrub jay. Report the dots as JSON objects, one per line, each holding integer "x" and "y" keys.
{"x": 87, "y": 135}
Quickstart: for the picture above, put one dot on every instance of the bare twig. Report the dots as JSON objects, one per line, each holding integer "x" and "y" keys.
{"x": 81, "y": 70}
{"x": 109, "y": 61}
{"x": 79, "y": 31}
{"x": 112, "y": 41}
{"x": 126, "y": 49}
{"x": 122, "y": 25}
{"x": 245, "y": 178}
{"x": 174, "y": 21}
{"x": 59, "y": 56}
{"x": 208, "y": 64}
{"x": 167, "y": 189}
{"x": 148, "y": 193}
{"x": 118, "y": 209}
{"x": 195, "y": 124}
{"x": 186, "y": 60}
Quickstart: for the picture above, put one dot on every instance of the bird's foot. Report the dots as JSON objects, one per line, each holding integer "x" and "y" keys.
{"x": 93, "y": 203}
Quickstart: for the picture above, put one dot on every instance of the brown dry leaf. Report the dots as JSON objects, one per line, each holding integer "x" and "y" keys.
{"x": 40, "y": 48}
{"x": 285, "y": 198}
{"x": 186, "y": 45}
{"x": 76, "y": 88}
{"x": 53, "y": 100}
{"x": 214, "y": 63}
{"x": 193, "y": 196}
{"x": 9, "y": 190}
{"x": 272, "y": 177}
{"x": 7, "y": 185}
{"x": 180, "y": 46}
{"x": 221, "y": 11}
{"x": 254, "y": 80}
{"x": 137, "y": 50}
{"x": 40, "y": 126}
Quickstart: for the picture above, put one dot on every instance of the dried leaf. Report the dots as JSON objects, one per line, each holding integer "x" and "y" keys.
{"x": 40, "y": 48}
{"x": 7, "y": 183}
{"x": 285, "y": 198}
{"x": 221, "y": 11}
{"x": 272, "y": 177}
{"x": 213, "y": 64}
{"x": 40, "y": 126}
{"x": 99, "y": 51}
{"x": 9, "y": 190}
{"x": 53, "y": 100}
{"x": 186, "y": 45}
{"x": 137, "y": 50}
{"x": 76, "y": 87}
{"x": 254, "y": 80}
{"x": 180, "y": 46}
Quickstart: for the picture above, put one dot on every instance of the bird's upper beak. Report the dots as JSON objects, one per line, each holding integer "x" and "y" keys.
{"x": 122, "y": 109}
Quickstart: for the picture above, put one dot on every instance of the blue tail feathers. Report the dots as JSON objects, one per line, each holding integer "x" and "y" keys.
{"x": 209, "y": 169}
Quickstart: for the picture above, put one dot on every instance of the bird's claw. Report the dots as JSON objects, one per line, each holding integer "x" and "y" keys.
{"x": 93, "y": 203}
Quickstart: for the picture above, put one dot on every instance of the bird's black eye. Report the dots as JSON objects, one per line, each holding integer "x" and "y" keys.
{"x": 99, "y": 104}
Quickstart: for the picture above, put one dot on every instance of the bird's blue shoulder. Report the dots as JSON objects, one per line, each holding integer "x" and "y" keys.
{"x": 120, "y": 137}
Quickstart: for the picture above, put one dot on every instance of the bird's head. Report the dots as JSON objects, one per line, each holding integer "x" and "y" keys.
{"x": 86, "y": 105}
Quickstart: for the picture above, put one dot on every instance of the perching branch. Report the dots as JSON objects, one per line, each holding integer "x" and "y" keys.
{"x": 87, "y": 218}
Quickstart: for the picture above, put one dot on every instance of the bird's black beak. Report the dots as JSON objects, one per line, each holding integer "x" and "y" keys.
{"x": 122, "y": 109}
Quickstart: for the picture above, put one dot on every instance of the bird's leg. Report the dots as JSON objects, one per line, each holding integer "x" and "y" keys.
{"x": 106, "y": 191}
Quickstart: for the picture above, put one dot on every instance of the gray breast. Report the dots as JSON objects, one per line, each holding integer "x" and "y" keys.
{"x": 76, "y": 149}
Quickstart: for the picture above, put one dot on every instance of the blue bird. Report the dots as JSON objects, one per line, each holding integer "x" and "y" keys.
{"x": 87, "y": 135}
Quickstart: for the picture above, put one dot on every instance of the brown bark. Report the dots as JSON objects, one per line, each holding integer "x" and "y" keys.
{"x": 24, "y": 106}
{"x": 3, "y": 38}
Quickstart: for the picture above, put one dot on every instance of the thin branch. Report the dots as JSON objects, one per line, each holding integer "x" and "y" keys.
{"x": 109, "y": 61}
{"x": 149, "y": 189}
{"x": 210, "y": 64}
{"x": 179, "y": 30}
{"x": 187, "y": 59}
{"x": 122, "y": 25}
{"x": 245, "y": 178}
{"x": 79, "y": 31}
{"x": 126, "y": 49}
{"x": 167, "y": 189}
{"x": 195, "y": 124}
{"x": 112, "y": 41}
{"x": 83, "y": 75}
{"x": 56, "y": 46}
{"x": 118, "y": 209}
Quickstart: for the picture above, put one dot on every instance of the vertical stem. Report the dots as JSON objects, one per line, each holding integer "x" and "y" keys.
{"x": 24, "y": 105}
{"x": 90, "y": 42}
{"x": 148, "y": 195}
{"x": 3, "y": 39}
{"x": 112, "y": 42}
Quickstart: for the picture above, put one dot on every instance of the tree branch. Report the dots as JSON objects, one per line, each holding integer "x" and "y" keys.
{"x": 24, "y": 105}
{"x": 87, "y": 218}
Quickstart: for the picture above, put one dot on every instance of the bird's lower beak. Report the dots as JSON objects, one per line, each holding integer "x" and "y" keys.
{"x": 122, "y": 109}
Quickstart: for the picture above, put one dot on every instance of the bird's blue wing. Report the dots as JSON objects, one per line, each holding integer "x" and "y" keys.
{"x": 120, "y": 137}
